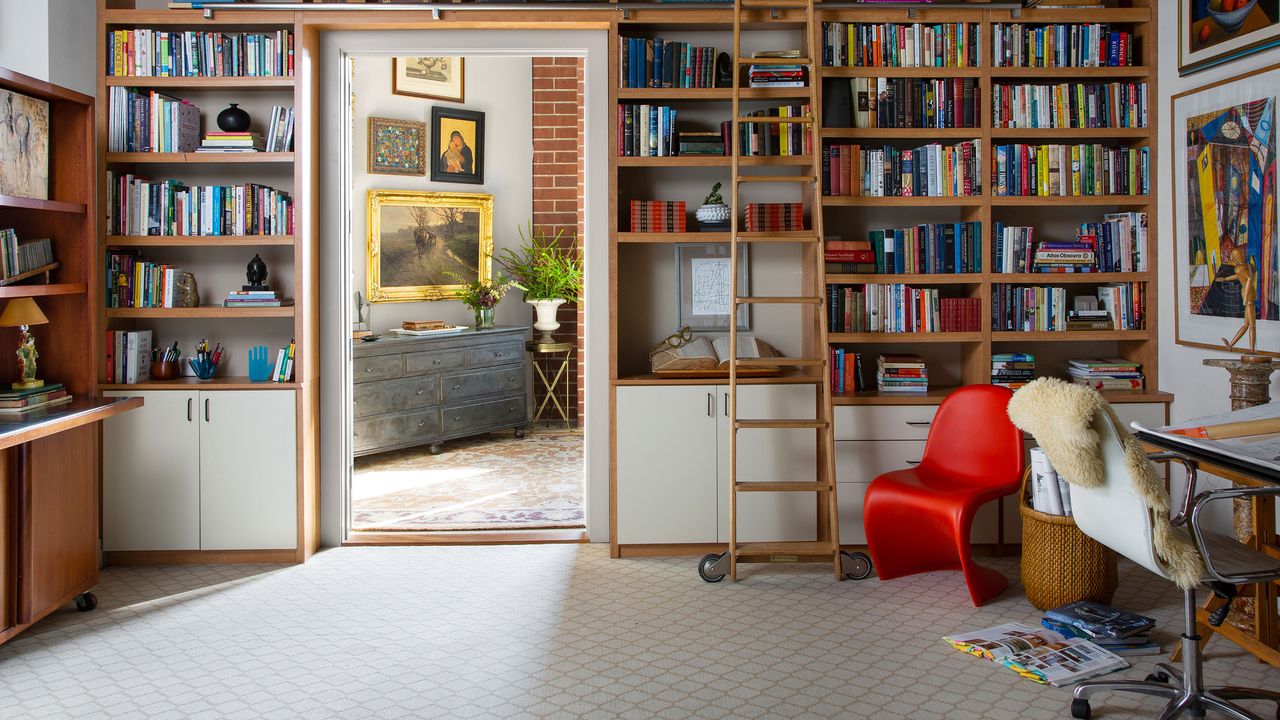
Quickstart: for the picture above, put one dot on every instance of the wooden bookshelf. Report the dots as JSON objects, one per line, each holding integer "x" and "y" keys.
{"x": 202, "y": 158}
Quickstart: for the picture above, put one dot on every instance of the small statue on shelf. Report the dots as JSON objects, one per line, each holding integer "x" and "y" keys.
{"x": 27, "y": 356}
{"x": 256, "y": 274}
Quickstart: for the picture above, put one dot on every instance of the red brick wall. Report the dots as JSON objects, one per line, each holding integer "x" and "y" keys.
{"x": 557, "y": 183}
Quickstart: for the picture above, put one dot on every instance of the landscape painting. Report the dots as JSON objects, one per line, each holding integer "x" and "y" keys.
{"x": 24, "y": 146}
{"x": 1228, "y": 270}
{"x": 417, "y": 239}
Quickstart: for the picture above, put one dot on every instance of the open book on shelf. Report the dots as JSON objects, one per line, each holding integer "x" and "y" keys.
{"x": 703, "y": 357}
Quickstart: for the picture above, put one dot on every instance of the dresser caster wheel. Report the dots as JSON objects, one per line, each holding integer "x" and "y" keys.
{"x": 707, "y": 568}
{"x": 856, "y": 566}
{"x": 519, "y": 432}
{"x": 1080, "y": 709}
{"x": 86, "y": 602}
{"x": 436, "y": 448}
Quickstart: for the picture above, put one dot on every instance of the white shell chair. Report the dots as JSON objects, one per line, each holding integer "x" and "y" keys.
{"x": 1115, "y": 516}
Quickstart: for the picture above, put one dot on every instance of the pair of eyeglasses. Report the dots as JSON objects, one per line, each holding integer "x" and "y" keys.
{"x": 674, "y": 340}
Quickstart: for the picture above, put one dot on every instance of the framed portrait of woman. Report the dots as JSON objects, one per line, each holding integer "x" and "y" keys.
{"x": 457, "y": 146}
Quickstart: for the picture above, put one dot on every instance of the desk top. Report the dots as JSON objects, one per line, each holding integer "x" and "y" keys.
{"x": 1214, "y": 463}
{"x": 18, "y": 428}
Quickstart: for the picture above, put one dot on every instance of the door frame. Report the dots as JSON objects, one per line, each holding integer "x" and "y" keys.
{"x": 335, "y": 242}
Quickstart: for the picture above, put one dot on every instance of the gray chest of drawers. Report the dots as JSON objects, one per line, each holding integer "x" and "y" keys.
{"x": 415, "y": 391}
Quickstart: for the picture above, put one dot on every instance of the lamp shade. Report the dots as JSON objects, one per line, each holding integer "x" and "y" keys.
{"x": 22, "y": 311}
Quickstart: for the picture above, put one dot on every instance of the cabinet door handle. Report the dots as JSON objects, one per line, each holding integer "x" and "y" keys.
{"x": 913, "y": 462}
{"x": 189, "y": 402}
{"x": 206, "y": 409}
{"x": 422, "y": 423}
{"x": 710, "y": 405}
{"x": 726, "y": 404}
{"x": 497, "y": 354}
{"x": 420, "y": 392}
{"x": 368, "y": 369}
{"x": 435, "y": 361}
{"x": 919, "y": 423}
{"x": 455, "y": 387}
{"x": 457, "y": 418}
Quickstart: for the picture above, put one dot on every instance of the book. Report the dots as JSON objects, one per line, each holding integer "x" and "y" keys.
{"x": 1039, "y": 654}
{"x": 1098, "y": 620}
{"x": 62, "y": 400}
{"x": 33, "y": 400}
{"x": 703, "y": 354}
{"x": 11, "y": 395}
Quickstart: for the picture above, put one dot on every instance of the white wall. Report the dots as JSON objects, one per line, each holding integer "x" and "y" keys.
{"x": 24, "y": 37}
{"x": 501, "y": 88}
{"x": 52, "y": 40}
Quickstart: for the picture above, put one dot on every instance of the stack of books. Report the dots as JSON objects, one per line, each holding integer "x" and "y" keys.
{"x": 18, "y": 258}
{"x": 658, "y": 216}
{"x": 1106, "y": 373}
{"x": 775, "y": 75}
{"x": 232, "y": 142}
{"x": 255, "y": 298}
{"x": 20, "y": 401}
{"x": 901, "y": 374}
{"x": 1012, "y": 370}
{"x": 280, "y": 129}
{"x": 849, "y": 256}
{"x": 1117, "y": 631}
{"x": 773, "y": 217}
{"x": 1090, "y": 318}
{"x": 700, "y": 143}
{"x": 1064, "y": 257}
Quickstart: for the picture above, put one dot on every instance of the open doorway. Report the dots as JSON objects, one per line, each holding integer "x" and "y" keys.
{"x": 443, "y": 440}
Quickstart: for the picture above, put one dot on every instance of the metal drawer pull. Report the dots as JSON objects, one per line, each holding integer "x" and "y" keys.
{"x": 368, "y": 369}
{"x": 919, "y": 423}
{"x": 206, "y": 409}
{"x": 913, "y": 462}
{"x": 189, "y": 401}
{"x": 435, "y": 361}
{"x": 457, "y": 418}
{"x": 420, "y": 392}
{"x": 422, "y": 423}
{"x": 710, "y": 411}
{"x": 497, "y": 354}
{"x": 455, "y": 387}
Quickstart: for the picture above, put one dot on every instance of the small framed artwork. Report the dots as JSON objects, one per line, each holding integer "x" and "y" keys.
{"x": 416, "y": 238}
{"x": 437, "y": 78}
{"x": 702, "y": 277}
{"x": 1225, "y": 221}
{"x": 1213, "y": 32}
{"x": 457, "y": 146}
{"x": 397, "y": 147}
{"x": 24, "y": 146}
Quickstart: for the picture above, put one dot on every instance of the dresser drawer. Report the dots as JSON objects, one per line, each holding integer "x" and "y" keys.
{"x": 395, "y": 395}
{"x": 397, "y": 430}
{"x": 422, "y": 363}
{"x": 884, "y": 422}
{"x": 497, "y": 354}
{"x": 464, "y": 386}
{"x": 379, "y": 367}
{"x": 464, "y": 419}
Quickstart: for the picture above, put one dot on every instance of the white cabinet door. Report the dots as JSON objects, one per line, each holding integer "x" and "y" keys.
{"x": 248, "y": 470}
{"x": 666, "y": 464}
{"x": 769, "y": 456}
{"x": 151, "y": 474}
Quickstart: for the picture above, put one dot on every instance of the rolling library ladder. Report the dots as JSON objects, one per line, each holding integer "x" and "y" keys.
{"x": 826, "y": 548}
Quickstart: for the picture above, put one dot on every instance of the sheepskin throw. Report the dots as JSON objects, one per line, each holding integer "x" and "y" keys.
{"x": 1059, "y": 414}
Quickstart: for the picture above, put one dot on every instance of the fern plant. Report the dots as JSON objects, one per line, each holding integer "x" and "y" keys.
{"x": 544, "y": 268}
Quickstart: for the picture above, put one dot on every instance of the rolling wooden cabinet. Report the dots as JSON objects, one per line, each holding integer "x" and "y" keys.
{"x": 413, "y": 391}
{"x": 201, "y": 470}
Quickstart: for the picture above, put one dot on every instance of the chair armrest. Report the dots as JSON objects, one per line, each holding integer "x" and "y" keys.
{"x": 1201, "y": 502}
{"x": 1180, "y": 519}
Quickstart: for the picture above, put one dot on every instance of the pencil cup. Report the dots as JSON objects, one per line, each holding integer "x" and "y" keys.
{"x": 203, "y": 368}
{"x": 166, "y": 369}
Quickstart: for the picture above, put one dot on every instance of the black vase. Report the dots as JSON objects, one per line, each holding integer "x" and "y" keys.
{"x": 233, "y": 119}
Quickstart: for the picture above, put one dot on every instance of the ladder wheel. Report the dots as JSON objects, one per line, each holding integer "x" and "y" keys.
{"x": 861, "y": 564}
{"x": 705, "y": 566}
{"x": 1080, "y": 709}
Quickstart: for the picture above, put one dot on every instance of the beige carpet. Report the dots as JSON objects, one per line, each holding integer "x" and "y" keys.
{"x": 489, "y": 482}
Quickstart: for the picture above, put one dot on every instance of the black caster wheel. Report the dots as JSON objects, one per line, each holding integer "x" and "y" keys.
{"x": 1159, "y": 677}
{"x": 705, "y": 568}
{"x": 86, "y": 602}
{"x": 1080, "y": 709}
{"x": 860, "y": 564}
{"x": 519, "y": 432}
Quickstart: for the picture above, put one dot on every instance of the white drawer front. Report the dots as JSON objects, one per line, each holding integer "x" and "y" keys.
{"x": 862, "y": 461}
{"x": 1148, "y": 414}
{"x": 884, "y": 422}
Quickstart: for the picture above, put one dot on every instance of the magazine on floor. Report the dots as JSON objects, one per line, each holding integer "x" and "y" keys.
{"x": 1039, "y": 654}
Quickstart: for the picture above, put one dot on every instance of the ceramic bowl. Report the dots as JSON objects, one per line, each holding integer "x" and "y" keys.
{"x": 1231, "y": 21}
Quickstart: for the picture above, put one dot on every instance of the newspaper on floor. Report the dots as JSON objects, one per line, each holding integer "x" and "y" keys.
{"x": 1039, "y": 654}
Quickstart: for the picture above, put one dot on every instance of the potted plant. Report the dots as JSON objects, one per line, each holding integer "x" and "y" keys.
{"x": 714, "y": 214}
{"x": 549, "y": 273}
{"x": 482, "y": 296}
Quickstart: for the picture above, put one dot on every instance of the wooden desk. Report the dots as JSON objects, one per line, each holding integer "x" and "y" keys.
{"x": 1264, "y": 642}
{"x": 49, "y": 507}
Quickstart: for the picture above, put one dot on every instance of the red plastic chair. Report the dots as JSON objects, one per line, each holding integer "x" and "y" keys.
{"x": 918, "y": 520}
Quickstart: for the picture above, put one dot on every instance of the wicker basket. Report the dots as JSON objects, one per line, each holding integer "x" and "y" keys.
{"x": 1060, "y": 564}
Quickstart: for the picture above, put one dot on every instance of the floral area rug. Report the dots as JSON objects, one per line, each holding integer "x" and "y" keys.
{"x": 489, "y": 482}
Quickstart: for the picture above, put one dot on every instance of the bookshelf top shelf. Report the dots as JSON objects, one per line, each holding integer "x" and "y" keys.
{"x": 202, "y": 83}
{"x": 906, "y": 338}
{"x": 124, "y": 19}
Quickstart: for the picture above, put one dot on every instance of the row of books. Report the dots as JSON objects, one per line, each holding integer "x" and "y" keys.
{"x": 901, "y": 44}
{"x": 1117, "y": 244}
{"x": 655, "y": 63}
{"x": 148, "y": 121}
{"x": 148, "y": 52}
{"x": 898, "y": 308}
{"x": 915, "y": 102}
{"x": 934, "y": 170}
{"x": 17, "y": 257}
{"x": 133, "y": 282}
{"x": 1061, "y": 45}
{"x": 902, "y": 374}
{"x": 1107, "y": 373}
{"x": 1070, "y": 105}
{"x": 846, "y": 370}
{"x": 777, "y": 76}
{"x": 841, "y": 164}
{"x": 777, "y": 139}
{"x": 931, "y": 248}
{"x": 1117, "y": 306}
{"x": 282, "y": 370}
{"x": 658, "y": 216}
{"x": 1071, "y": 170}
{"x": 647, "y": 131}
{"x": 1012, "y": 370}
{"x": 136, "y": 206}
{"x": 128, "y": 356}
{"x": 704, "y": 142}
{"x": 47, "y": 396}
{"x": 773, "y": 217}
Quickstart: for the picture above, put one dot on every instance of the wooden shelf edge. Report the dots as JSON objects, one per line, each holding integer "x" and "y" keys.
{"x": 648, "y": 379}
{"x": 212, "y": 311}
{"x": 43, "y": 290}
{"x": 905, "y": 338}
{"x": 936, "y": 395}
{"x": 912, "y": 279}
{"x": 655, "y": 237}
{"x": 200, "y": 158}
{"x": 1070, "y": 336}
{"x": 191, "y": 382}
{"x": 202, "y": 83}
{"x": 197, "y": 240}
{"x": 25, "y": 203}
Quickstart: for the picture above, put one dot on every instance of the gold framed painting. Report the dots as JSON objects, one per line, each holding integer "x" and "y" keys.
{"x": 436, "y": 78}
{"x": 418, "y": 239}
{"x": 397, "y": 147}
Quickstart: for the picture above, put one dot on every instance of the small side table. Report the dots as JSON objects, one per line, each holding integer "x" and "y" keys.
{"x": 548, "y": 351}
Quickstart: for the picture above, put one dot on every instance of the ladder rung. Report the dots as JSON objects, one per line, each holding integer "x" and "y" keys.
{"x": 762, "y": 300}
{"x": 777, "y": 179}
{"x": 781, "y": 424}
{"x": 777, "y": 237}
{"x": 784, "y": 361}
{"x": 774, "y": 120}
{"x": 782, "y": 486}
{"x": 805, "y": 547}
{"x": 774, "y": 61}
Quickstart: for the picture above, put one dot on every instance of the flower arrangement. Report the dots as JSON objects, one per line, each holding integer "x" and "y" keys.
{"x": 542, "y": 267}
{"x": 481, "y": 294}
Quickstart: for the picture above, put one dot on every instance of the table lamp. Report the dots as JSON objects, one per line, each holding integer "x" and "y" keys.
{"x": 23, "y": 313}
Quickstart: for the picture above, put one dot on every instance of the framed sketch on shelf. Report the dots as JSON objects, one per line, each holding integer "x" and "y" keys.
{"x": 702, "y": 278}
{"x": 436, "y": 78}
{"x": 1213, "y": 32}
{"x": 416, "y": 237}
{"x": 397, "y": 147}
{"x": 24, "y": 146}
{"x": 457, "y": 146}
{"x": 1225, "y": 214}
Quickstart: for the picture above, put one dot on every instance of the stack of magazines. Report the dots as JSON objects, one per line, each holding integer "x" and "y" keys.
{"x": 1119, "y": 632}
